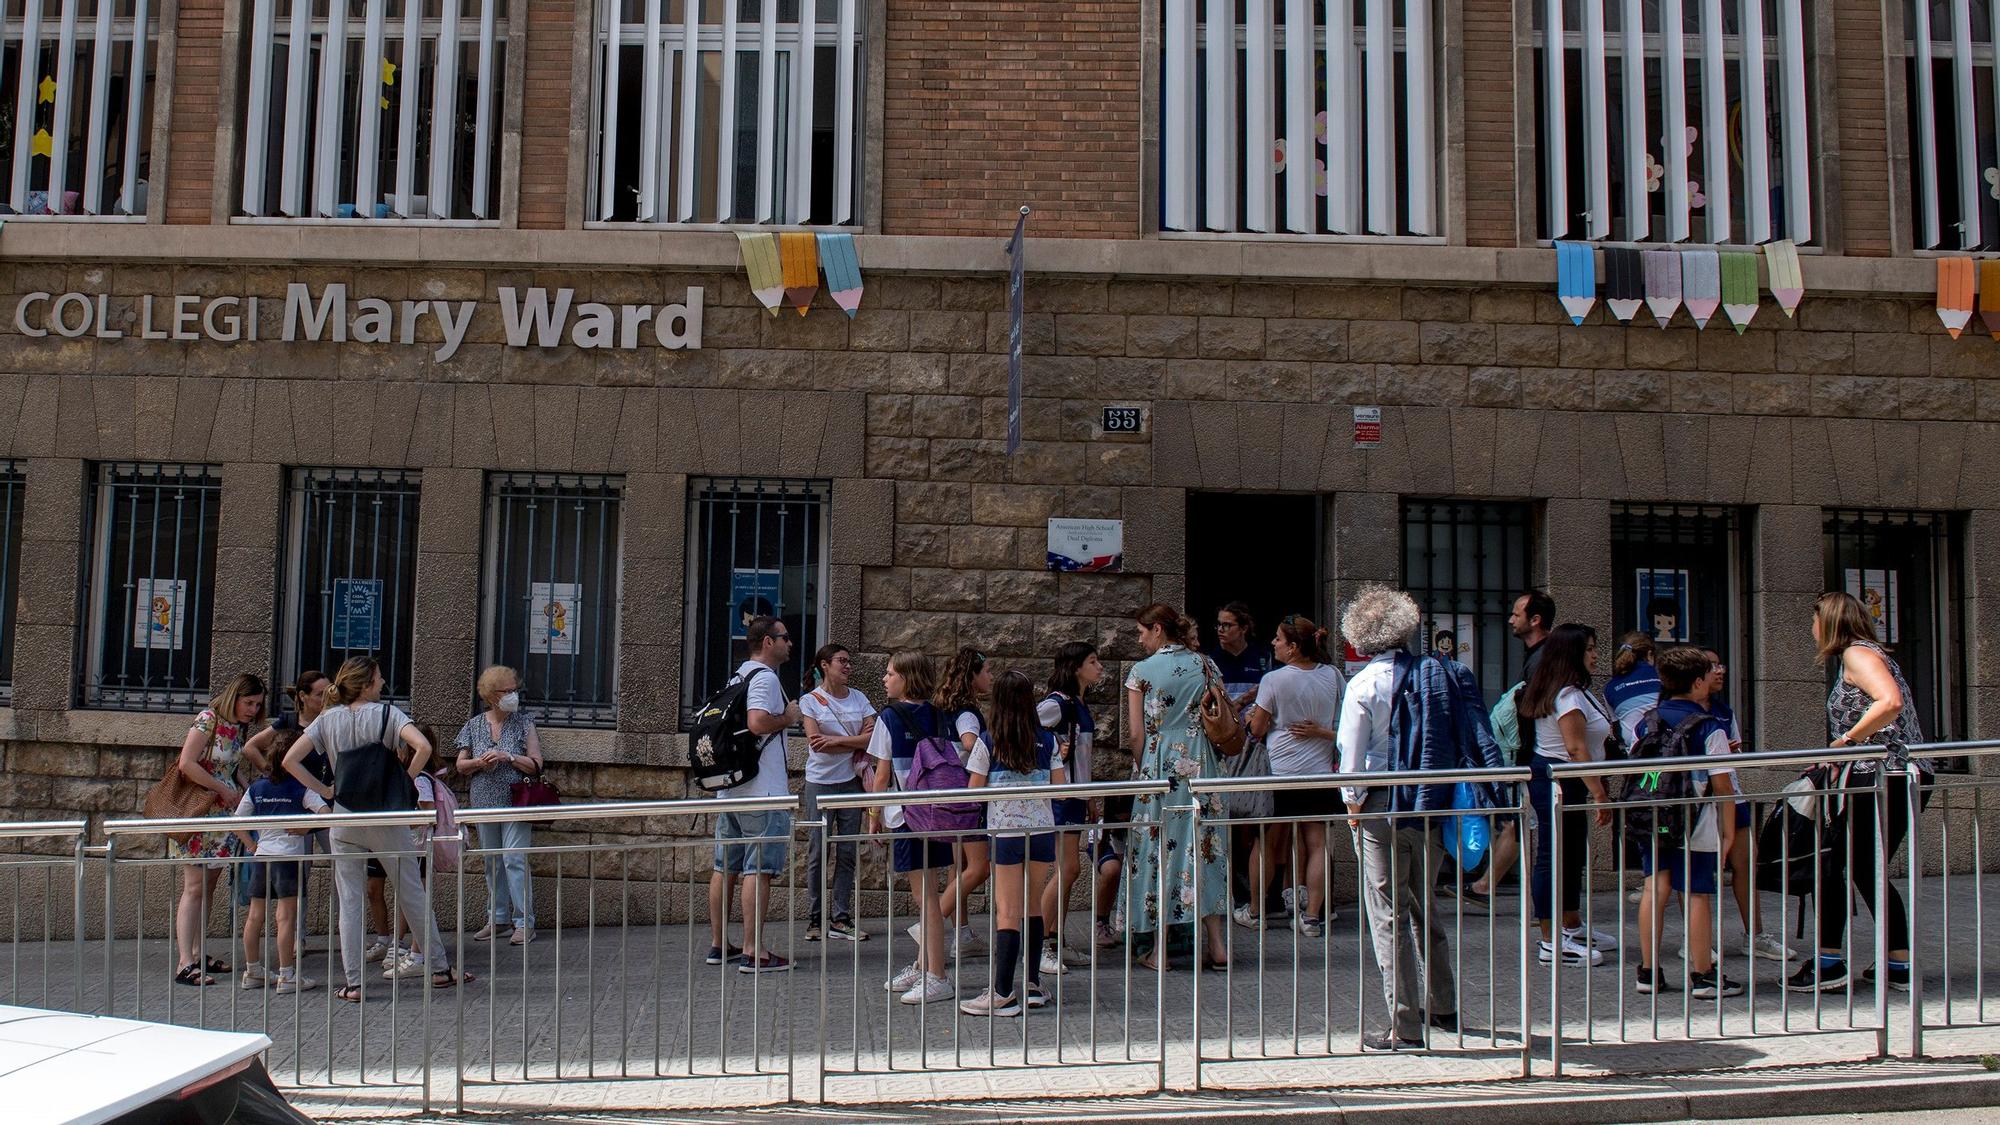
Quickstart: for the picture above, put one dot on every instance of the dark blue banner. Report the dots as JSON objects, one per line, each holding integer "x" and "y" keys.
{"x": 1014, "y": 254}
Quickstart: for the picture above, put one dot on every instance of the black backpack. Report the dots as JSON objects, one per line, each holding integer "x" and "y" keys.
{"x": 723, "y": 751}
{"x": 1656, "y": 814}
{"x": 370, "y": 778}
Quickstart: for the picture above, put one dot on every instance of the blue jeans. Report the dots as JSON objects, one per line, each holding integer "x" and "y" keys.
{"x": 510, "y": 896}
{"x": 1576, "y": 838}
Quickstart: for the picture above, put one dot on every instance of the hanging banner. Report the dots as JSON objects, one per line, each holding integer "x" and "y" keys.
{"x": 158, "y": 605}
{"x": 1576, "y": 278}
{"x": 843, "y": 271}
{"x": 1016, "y": 259}
{"x": 1701, "y": 284}
{"x": 1663, "y": 284}
{"x": 1739, "y": 288}
{"x": 357, "y": 613}
{"x": 1624, "y": 283}
{"x": 800, "y": 253}
{"x": 1788, "y": 285}
{"x": 760, "y": 265}
{"x": 555, "y": 622}
{"x": 1989, "y": 297}
{"x": 1954, "y": 294}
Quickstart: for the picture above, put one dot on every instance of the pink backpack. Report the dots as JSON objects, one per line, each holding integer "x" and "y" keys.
{"x": 445, "y": 846}
{"x": 936, "y": 764}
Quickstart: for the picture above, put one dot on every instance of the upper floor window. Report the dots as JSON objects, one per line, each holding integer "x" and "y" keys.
{"x": 76, "y": 106}
{"x": 389, "y": 114}
{"x": 709, "y": 111}
{"x": 1281, "y": 118}
{"x": 1675, "y": 120}
{"x": 1953, "y": 85}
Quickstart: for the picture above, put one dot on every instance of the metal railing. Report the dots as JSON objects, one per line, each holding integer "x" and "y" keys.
{"x": 614, "y": 985}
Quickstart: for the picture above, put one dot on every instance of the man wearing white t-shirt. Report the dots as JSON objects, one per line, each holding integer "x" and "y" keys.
{"x": 750, "y": 848}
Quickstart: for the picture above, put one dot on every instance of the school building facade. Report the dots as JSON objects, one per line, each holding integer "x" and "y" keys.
{"x": 428, "y": 333}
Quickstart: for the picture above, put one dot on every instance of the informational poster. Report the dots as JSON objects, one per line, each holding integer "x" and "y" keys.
{"x": 754, "y": 594}
{"x": 1086, "y": 545}
{"x": 1665, "y": 600}
{"x": 555, "y": 624}
{"x": 1451, "y": 636}
{"x": 1367, "y": 427}
{"x": 357, "y": 613}
{"x": 1876, "y": 590}
{"x": 158, "y": 605}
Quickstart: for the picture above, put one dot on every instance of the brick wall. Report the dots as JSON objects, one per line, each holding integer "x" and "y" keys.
{"x": 196, "y": 94}
{"x": 1490, "y": 179}
{"x": 545, "y": 112}
{"x": 1859, "y": 117}
{"x": 989, "y": 105}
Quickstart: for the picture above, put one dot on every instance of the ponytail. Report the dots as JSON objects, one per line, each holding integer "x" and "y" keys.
{"x": 1309, "y": 638}
{"x": 1180, "y": 628}
{"x": 356, "y": 676}
{"x": 1633, "y": 648}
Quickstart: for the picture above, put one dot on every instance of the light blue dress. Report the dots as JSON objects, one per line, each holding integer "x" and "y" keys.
{"x": 1176, "y": 749}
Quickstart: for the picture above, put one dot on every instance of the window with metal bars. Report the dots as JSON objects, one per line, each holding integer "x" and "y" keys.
{"x": 1730, "y": 84}
{"x": 351, "y": 571}
{"x": 1280, "y": 118}
{"x": 554, "y": 571}
{"x": 708, "y": 111}
{"x": 1952, "y": 84}
{"x": 13, "y": 478}
{"x": 76, "y": 106}
{"x": 374, "y": 109}
{"x": 1907, "y": 569}
{"x": 1465, "y": 561}
{"x": 755, "y": 547}
{"x": 1677, "y": 574}
{"x": 146, "y": 632}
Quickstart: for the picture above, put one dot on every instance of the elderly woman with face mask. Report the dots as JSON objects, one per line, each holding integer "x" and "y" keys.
{"x": 497, "y": 748}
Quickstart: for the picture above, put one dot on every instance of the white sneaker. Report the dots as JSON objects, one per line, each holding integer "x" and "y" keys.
{"x": 377, "y": 950}
{"x": 254, "y": 978}
{"x": 1635, "y": 895}
{"x": 1246, "y": 918}
{"x": 1770, "y": 946}
{"x": 1573, "y": 953}
{"x": 1598, "y": 938}
{"x": 403, "y": 968}
{"x": 1052, "y": 964}
{"x": 965, "y": 943}
{"x": 289, "y": 985}
{"x": 1294, "y": 898}
{"x": 1037, "y": 997}
{"x": 932, "y": 990}
{"x": 905, "y": 979}
{"x": 987, "y": 1004}
{"x": 1308, "y": 927}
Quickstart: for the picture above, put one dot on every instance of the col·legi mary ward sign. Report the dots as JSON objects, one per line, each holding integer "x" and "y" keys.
{"x": 537, "y": 317}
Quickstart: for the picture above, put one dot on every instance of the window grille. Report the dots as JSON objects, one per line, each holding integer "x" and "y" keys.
{"x": 755, "y": 547}
{"x": 1731, "y": 83}
{"x": 390, "y": 111}
{"x": 350, "y": 578}
{"x": 1906, "y": 567}
{"x": 13, "y": 479}
{"x": 80, "y": 135}
{"x": 554, "y": 572}
{"x": 152, "y": 585}
{"x": 1949, "y": 72}
{"x": 1280, "y": 120}
{"x": 1465, "y": 561}
{"x": 1689, "y": 556}
{"x": 708, "y": 111}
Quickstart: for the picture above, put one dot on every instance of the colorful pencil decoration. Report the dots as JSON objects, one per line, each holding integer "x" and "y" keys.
{"x": 1989, "y": 297}
{"x": 1781, "y": 258}
{"x": 843, "y": 271}
{"x": 1624, "y": 283}
{"x": 1701, "y": 284}
{"x": 1954, "y": 294}
{"x": 1663, "y": 284}
{"x": 1739, "y": 288}
{"x": 1576, "y": 278}
{"x": 760, "y": 265}
{"x": 800, "y": 254}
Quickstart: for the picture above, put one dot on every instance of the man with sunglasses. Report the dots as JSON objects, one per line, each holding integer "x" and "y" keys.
{"x": 750, "y": 848}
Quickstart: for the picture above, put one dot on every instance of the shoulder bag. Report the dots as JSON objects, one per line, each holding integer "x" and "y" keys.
{"x": 370, "y": 777}
{"x": 175, "y": 796}
{"x": 1218, "y": 715}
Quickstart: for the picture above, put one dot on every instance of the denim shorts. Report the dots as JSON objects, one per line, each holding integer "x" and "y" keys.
{"x": 761, "y": 856}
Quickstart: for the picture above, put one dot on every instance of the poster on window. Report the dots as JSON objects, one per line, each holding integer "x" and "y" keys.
{"x": 752, "y": 594}
{"x": 357, "y": 613}
{"x": 1451, "y": 636}
{"x": 1876, "y": 590}
{"x": 1664, "y": 599}
{"x": 157, "y": 608}
{"x": 555, "y": 623}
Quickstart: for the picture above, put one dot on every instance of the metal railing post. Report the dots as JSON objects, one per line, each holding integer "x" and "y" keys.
{"x": 1554, "y": 829}
{"x": 1912, "y": 847}
{"x": 76, "y": 921}
{"x": 1881, "y": 915}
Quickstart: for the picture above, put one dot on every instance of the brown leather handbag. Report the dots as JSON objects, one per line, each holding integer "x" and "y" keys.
{"x": 1219, "y": 720}
{"x": 174, "y": 797}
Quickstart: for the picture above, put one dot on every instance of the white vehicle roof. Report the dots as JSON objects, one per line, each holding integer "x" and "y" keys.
{"x": 59, "y": 1068}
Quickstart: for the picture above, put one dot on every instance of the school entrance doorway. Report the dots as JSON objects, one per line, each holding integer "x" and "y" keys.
{"x": 1263, "y": 549}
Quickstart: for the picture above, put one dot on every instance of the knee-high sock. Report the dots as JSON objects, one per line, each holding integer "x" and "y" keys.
{"x": 1035, "y": 931}
{"x": 1006, "y": 951}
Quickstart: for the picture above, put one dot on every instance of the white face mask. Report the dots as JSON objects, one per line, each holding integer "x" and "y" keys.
{"x": 511, "y": 702}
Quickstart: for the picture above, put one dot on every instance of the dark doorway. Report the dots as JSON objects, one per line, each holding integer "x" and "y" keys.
{"x": 1258, "y": 548}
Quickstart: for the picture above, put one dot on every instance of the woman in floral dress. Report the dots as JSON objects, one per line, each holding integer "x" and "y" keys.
{"x": 1163, "y": 700}
{"x": 209, "y": 757}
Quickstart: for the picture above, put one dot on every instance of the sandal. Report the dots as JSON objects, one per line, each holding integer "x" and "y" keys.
{"x": 216, "y": 965}
{"x": 349, "y": 993}
{"x": 191, "y": 974}
{"x": 451, "y": 979}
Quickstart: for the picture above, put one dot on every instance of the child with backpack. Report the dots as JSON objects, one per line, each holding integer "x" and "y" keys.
{"x": 433, "y": 793}
{"x": 913, "y": 750}
{"x": 968, "y": 678}
{"x": 1022, "y": 753}
{"x": 275, "y": 876}
{"x": 1680, "y": 846}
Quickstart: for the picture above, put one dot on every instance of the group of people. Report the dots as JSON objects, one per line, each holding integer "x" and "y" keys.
{"x": 289, "y": 767}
